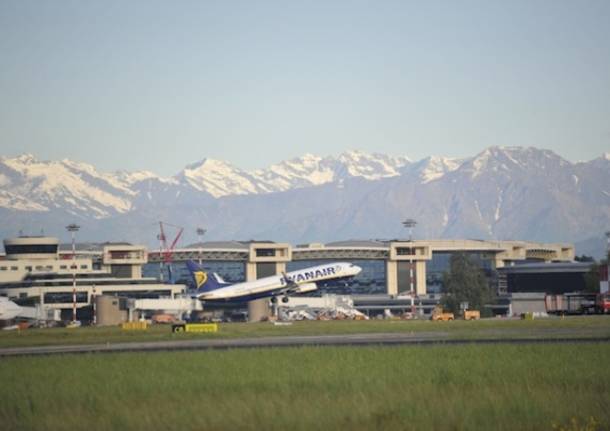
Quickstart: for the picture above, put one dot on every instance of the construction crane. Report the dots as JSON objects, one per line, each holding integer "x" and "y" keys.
{"x": 166, "y": 252}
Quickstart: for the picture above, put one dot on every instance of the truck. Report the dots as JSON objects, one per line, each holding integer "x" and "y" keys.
{"x": 439, "y": 314}
{"x": 602, "y": 303}
{"x": 472, "y": 314}
{"x": 578, "y": 303}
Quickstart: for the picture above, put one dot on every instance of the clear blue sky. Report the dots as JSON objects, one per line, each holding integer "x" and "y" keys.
{"x": 159, "y": 84}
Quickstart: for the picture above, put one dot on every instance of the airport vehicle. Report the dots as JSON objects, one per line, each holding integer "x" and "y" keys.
{"x": 8, "y": 309}
{"x": 163, "y": 318}
{"x": 578, "y": 303}
{"x": 211, "y": 287}
{"x": 439, "y": 314}
{"x": 602, "y": 303}
{"x": 472, "y": 314}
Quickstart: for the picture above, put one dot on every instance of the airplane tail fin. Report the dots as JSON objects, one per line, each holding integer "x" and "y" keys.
{"x": 204, "y": 282}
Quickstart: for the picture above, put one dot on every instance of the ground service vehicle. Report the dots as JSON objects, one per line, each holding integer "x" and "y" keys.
{"x": 439, "y": 314}
{"x": 472, "y": 314}
{"x": 578, "y": 303}
{"x": 602, "y": 303}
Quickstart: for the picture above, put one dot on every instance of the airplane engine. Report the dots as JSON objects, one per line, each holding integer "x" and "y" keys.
{"x": 306, "y": 287}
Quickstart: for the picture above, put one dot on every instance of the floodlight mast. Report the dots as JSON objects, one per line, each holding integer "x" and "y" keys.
{"x": 608, "y": 259}
{"x": 73, "y": 228}
{"x": 410, "y": 224}
{"x": 200, "y": 233}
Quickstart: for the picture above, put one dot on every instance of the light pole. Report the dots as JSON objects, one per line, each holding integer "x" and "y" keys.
{"x": 161, "y": 238}
{"x": 410, "y": 224}
{"x": 200, "y": 233}
{"x": 73, "y": 228}
{"x": 608, "y": 260}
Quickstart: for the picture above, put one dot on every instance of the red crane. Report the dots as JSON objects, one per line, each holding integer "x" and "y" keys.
{"x": 168, "y": 252}
{"x": 165, "y": 252}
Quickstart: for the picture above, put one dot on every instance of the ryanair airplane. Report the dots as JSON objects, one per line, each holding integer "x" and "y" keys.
{"x": 210, "y": 287}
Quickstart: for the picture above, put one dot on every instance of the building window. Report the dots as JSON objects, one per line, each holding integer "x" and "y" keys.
{"x": 405, "y": 251}
{"x": 3, "y": 268}
{"x": 14, "y": 268}
{"x": 30, "y": 248}
{"x": 28, "y": 268}
{"x": 63, "y": 267}
{"x": 64, "y": 297}
{"x": 83, "y": 267}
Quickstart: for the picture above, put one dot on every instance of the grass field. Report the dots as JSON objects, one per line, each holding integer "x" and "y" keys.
{"x": 469, "y": 387}
{"x": 590, "y": 326}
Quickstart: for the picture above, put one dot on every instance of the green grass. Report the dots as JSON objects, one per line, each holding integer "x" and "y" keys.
{"x": 590, "y": 326}
{"x": 470, "y": 387}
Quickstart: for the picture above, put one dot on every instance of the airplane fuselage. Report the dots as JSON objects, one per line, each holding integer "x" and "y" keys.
{"x": 276, "y": 284}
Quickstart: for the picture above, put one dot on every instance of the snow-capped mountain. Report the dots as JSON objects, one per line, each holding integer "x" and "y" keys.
{"x": 218, "y": 178}
{"x": 222, "y": 179}
{"x": 503, "y": 193}
{"x": 32, "y": 185}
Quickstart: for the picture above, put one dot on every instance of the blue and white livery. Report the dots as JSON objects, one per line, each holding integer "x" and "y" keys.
{"x": 210, "y": 287}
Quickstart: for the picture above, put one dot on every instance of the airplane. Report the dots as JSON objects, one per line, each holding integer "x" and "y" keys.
{"x": 213, "y": 288}
{"x": 8, "y": 309}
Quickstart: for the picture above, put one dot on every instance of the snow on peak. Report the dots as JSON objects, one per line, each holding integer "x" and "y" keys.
{"x": 15, "y": 202}
{"x": 373, "y": 166}
{"x": 221, "y": 179}
{"x": 218, "y": 178}
{"x": 308, "y": 170}
{"x": 435, "y": 167}
{"x": 63, "y": 184}
{"x": 506, "y": 159}
{"x": 78, "y": 186}
{"x": 131, "y": 178}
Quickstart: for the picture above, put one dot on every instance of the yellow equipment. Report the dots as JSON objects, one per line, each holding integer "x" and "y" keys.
{"x": 439, "y": 314}
{"x": 134, "y": 326}
{"x": 195, "y": 327}
{"x": 472, "y": 314}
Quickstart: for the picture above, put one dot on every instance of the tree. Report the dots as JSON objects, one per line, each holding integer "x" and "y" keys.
{"x": 592, "y": 277}
{"x": 465, "y": 282}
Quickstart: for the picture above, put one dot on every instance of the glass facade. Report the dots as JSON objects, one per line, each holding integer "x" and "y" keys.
{"x": 64, "y": 297}
{"x": 403, "y": 269}
{"x": 372, "y": 279}
{"x": 30, "y": 248}
{"x": 265, "y": 269}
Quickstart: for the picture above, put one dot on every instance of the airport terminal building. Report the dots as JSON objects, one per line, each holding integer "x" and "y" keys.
{"x": 34, "y": 270}
{"x": 393, "y": 271}
{"x": 392, "y": 267}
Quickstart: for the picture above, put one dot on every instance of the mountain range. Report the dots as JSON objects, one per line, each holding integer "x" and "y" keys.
{"x": 500, "y": 193}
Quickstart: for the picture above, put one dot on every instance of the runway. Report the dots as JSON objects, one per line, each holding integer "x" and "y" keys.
{"x": 404, "y": 339}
